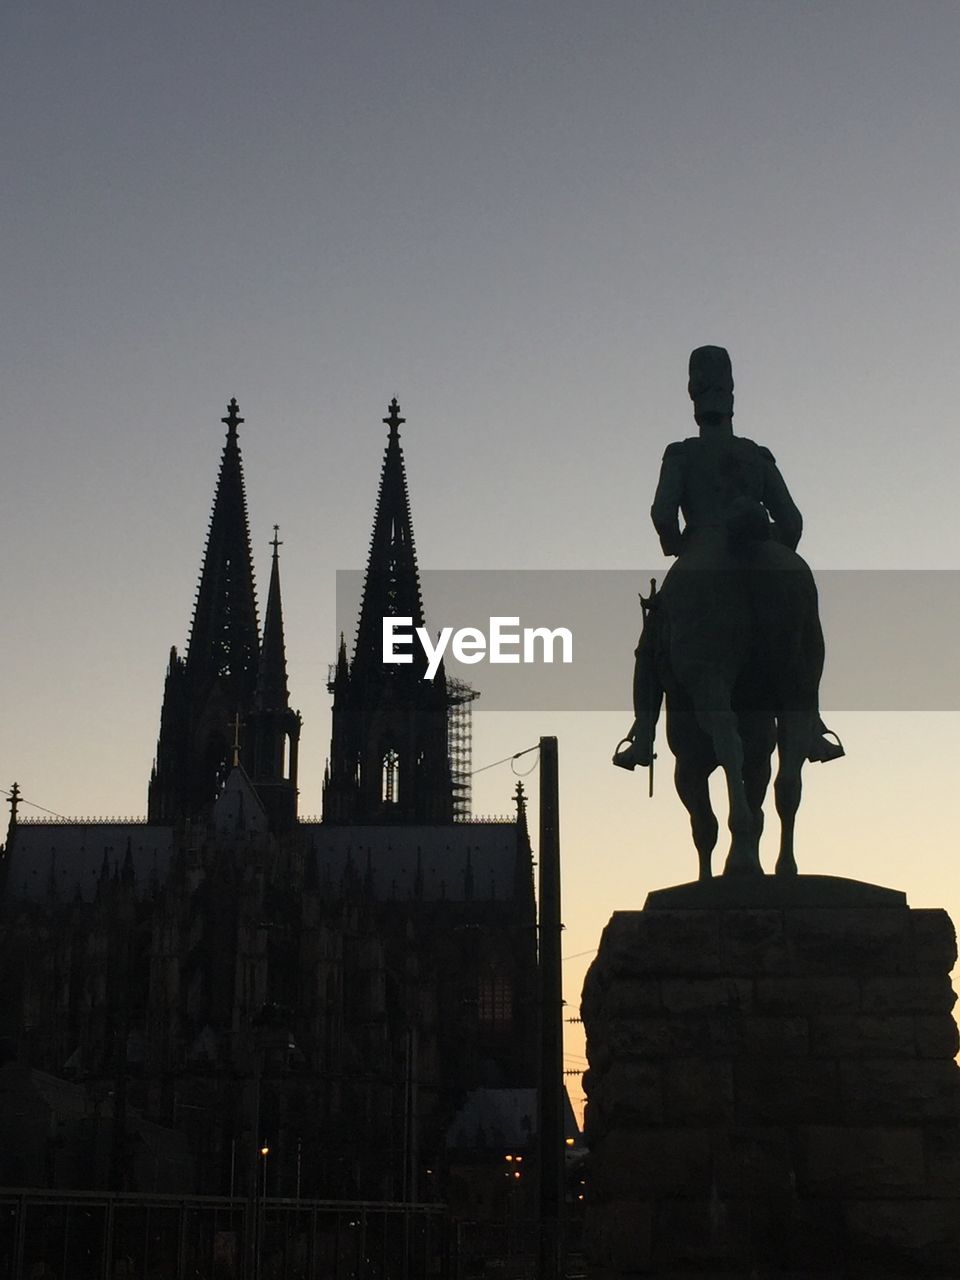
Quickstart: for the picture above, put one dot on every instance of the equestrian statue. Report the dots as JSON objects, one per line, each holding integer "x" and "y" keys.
{"x": 733, "y": 637}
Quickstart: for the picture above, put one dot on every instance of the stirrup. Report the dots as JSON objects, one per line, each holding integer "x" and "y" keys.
{"x": 823, "y": 750}
{"x": 625, "y": 756}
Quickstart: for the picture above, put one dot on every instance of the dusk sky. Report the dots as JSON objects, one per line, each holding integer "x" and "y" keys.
{"x": 518, "y": 218}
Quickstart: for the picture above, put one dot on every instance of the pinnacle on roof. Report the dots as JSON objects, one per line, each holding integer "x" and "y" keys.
{"x": 392, "y": 584}
{"x": 272, "y": 691}
{"x": 233, "y": 419}
{"x": 224, "y": 636}
{"x": 393, "y": 420}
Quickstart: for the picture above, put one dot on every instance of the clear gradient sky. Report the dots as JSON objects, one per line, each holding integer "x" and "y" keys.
{"x": 518, "y": 218}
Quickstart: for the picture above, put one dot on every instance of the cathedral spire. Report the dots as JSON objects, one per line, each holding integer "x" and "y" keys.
{"x": 392, "y": 584}
{"x": 224, "y": 637}
{"x": 389, "y": 759}
{"x": 215, "y": 683}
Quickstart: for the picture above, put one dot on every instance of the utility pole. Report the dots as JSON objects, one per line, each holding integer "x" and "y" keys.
{"x": 550, "y": 1092}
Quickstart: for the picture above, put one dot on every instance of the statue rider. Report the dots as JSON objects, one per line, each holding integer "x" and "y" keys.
{"x": 724, "y": 484}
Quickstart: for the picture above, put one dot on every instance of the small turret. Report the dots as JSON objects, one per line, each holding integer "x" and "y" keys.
{"x": 274, "y": 727}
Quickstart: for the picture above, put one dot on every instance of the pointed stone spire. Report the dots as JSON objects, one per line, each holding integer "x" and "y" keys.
{"x": 392, "y": 583}
{"x": 272, "y": 693}
{"x": 342, "y": 675}
{"x": 13, "y": 800}
{"x": 217, "y": 679}
{"x": 520, "y": 800}
{"x": 389, "y": 757}
{"x": 275, "y": 727}
{"x": 224, "y": 637}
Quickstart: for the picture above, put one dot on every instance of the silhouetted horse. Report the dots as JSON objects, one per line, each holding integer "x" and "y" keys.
{"x": 739, "y": 652}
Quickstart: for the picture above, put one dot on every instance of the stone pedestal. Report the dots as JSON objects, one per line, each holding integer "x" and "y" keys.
{"x": 772, "y": 1088}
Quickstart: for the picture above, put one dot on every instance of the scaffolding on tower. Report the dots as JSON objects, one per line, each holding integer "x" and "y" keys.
{"x": 460, "y": 699}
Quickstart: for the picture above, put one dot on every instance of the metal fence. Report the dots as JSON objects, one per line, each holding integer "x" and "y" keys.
{"x": 91, "y": 1236}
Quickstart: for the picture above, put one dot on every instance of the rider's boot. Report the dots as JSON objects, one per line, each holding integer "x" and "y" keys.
{"x": 636, "y": 748}
{"x": 822, "y": 749}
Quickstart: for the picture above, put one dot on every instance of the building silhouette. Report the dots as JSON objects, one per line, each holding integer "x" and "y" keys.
{"x": 179, "y": 993}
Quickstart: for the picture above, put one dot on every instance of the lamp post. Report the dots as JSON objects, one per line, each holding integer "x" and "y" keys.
{"x": 262, "y": 1210}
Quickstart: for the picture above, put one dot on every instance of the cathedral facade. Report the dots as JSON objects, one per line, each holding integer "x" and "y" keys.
{"x": 187, "y": 997}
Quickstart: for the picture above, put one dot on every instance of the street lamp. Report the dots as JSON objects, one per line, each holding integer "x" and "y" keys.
{"x": 261, "y": 1218}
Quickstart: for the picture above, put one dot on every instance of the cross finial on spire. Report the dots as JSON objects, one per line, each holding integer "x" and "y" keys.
{"x": 236, "y": 740}
{"x": 233, "y": 419}
{"x": 394, "y": 421}
{"x": 13, "y": 800}
{"x": 520, "y": 796}
{"x": 276, "y": 543}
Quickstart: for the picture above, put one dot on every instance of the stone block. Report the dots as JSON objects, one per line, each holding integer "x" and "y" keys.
{"x": 854, "y": 940}
{"x": 808, "y": 1235}
{"x": 753, "y": 1162}
{"x": 941, "y": 1149}
{"x": 628, "y": 996}
{"x": 765, "y": 1036}
{"x": 852, "y": 1162}
{"x": 774, "y": 1236}
{"x": 785, "y": 1091}
{"x": 863, "y": 1035}
{"x": 593, "y": 1128}
{"x": 680, "y": 1036}
{"x": 593, "y": 993}
{"x": 884, "y": 1091}
{"x": 698, "y": 995}
{"x": 936, "y": 1036}
{"x": 934, "y": 941}
{"x": 629, "y": 1093}
{"x": 772, "y": 1082}
{"x": 921, "y": 1236}
{"x": 806, "y": 995}
{"x": 621, "y": 1236}
{"x": 675, "y": 943}
{"x": 701, "y": 1232}
{"x": 911, "y": 993}
{"x": 599, "y": 1051}
{"x": 698, "y": 1090}
{"x": 640, "y": 1164}
{"x": 753, "y": 942}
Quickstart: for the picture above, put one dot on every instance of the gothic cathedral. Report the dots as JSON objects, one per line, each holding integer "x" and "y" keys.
{"x": 356, "y": 994}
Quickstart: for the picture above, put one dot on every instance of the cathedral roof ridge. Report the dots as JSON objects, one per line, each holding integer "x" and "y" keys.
{"x": 79, "y": 820}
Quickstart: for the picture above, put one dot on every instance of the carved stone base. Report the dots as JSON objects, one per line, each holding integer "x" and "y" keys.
{"x": 772, "y": 1086}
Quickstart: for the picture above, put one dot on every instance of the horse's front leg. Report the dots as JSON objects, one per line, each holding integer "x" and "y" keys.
{"x": 794, "y": 735}
{"x": 716, "y": 717}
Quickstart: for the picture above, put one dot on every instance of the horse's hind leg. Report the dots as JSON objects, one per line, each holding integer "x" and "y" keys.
{"x": 692, "y": 788}
{"x": 758, "y": 733}
{"x": 793, "y": 739}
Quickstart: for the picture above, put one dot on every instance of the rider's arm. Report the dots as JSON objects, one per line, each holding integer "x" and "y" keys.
{"x": 776, "y": 498}
{"x": 665, "y": 511}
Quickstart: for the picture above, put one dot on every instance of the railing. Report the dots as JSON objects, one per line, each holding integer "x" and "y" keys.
{"x": 73, "y": 1235}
